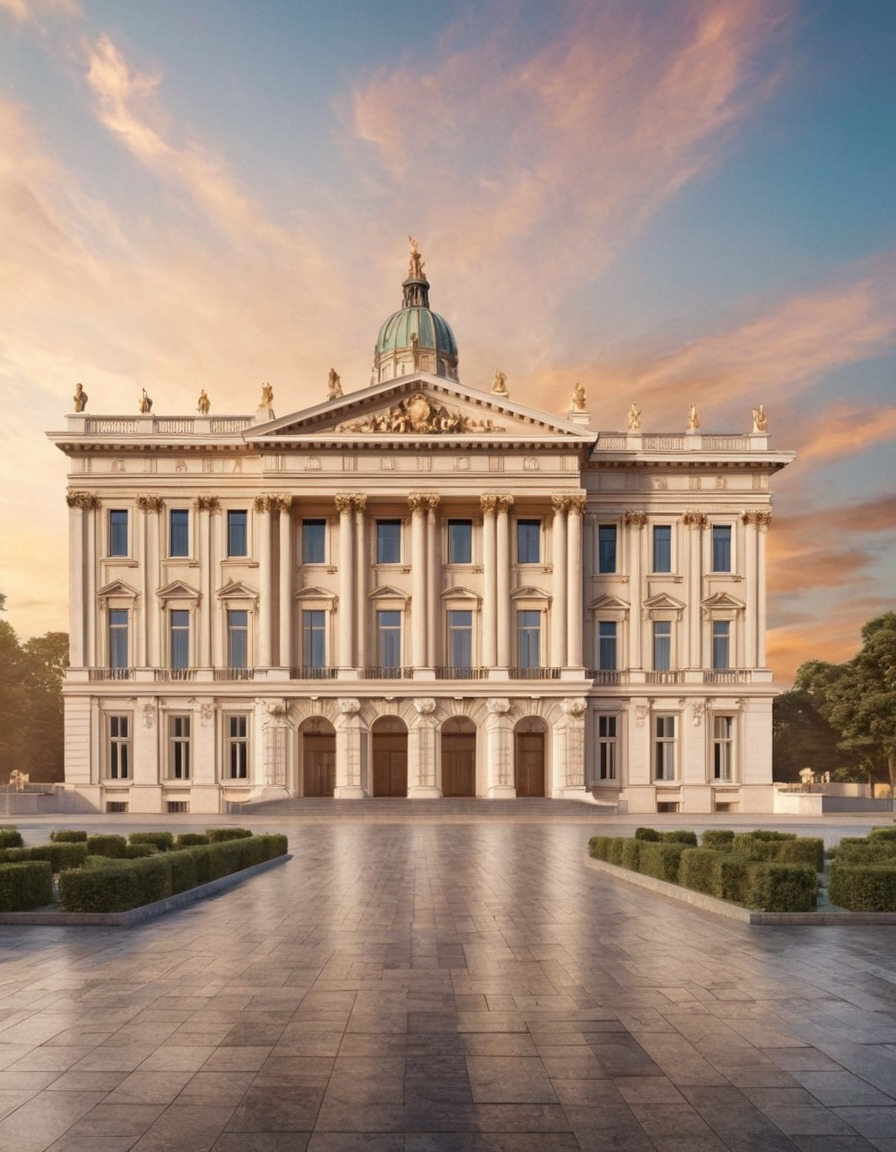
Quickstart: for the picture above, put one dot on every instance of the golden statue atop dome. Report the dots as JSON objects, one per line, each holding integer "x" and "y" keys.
{"x": 415, "y": 269}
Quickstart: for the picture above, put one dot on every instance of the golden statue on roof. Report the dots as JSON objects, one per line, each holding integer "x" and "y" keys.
{"x": 415, "y": 269}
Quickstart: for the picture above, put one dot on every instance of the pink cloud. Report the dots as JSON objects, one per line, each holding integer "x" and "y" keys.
{"x": 37, "y": 11}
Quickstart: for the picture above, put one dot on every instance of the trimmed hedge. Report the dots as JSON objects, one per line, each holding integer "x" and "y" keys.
{"x": 109, "y": 845}
{"x": 882, "y": 834}
{"x": 781, "y": 887}
{"x": 219, "y": 835}
{"x": 858, "y": 850}
{"x": 60, "y": 856}
{"x": 162, "y": 841}
{"x": 863, "y": 887}
{"x": 10, "y": 837}
{"x": 190, "y": 839}
{"x": 661, "y": 860}
{"x": 25, "y": 886}
{"x": 69, "y": 836}
{"x": 781, "y": 847}
{"x": 718, "y": 838}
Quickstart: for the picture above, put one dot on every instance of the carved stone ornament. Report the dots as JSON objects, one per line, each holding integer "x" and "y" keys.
{"x": 641, "y": 711}
{"x": 418, "y": 414}
{"x": 149, "y": 715}
{"x": 577, "y": 503}
{"x": 150, "y": 503}
{"x": 496, "y": 502}
{"x": 498, "y": 705}
{"x": 350, "y": 502}
{"x": 697, "y": 711}
{"x": 695, "y": 519}
{"x": 349, "y": 706}
{"x": 425, "y": 705}
{"x": 760, "y": 520}
{"x": 423, "y": 501}
{"x": 208, "y": 503}
{"x": 207, "y": 712}
{"x": 83, "y": 500}
{"x": 574, "y": 706}
{"x": 634, "y": 519}
{"x": 273, "y": 503}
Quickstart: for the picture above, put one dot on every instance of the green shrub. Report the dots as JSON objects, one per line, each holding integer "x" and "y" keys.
{"x": 113, "y": 886}
{"x": 219, "y": 835}
{"x": 155, "y": 878}
{"x": 680, "y": 836}
{"x": 858, "y": 850}
{"x": 773, "y": 887}
{"x": 10, "y": 837}
{"x": 61, "y": 855}
{"x": 697, "y": 871}
{"x": 190, "y": 839}
{"x": 138, "y": 851}
{"x": 888, "y": 833}
{"x": 183, "y": 871}
{"x": 650, "y": 834}
{"x": 804, "y": 850}
{"x": 108, "y": 845}
{"x": 162, "y": 841}
{"x": 734, "y": 873}
{"x": 68, "y": 836}
{"x": 631, "y": 854}
{"x": 863, "y": 887}
{"x": 661, "y": 860}
{"x": 253, "y": 851}
{"x": 276, "y": 844}
{"x": 25, "y": 886}
{"x": 770, "y": 834}
{"x": 718, "y": 838}
{"x": 14, "y": 855}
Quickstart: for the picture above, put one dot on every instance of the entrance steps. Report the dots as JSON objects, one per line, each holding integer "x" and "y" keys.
{"x": 448, "y": 810}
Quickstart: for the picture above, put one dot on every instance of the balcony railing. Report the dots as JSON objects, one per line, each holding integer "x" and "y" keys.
{"x": 606, "y": 676}
{"x": 379, "y": 672}
{"x": 453, "y": 672}
{"x": 534, "y": 673}
{"x": 233, "y": 673}
{"x": 304, "y": 672}
{"x": 665, "y": 676}
{"x": 110, "y": 673}
{"x": 175, "y": 673}
{"x": 727, "y": 676}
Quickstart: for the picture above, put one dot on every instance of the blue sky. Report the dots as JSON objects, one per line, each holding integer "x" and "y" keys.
{"x": 667, "y": 201}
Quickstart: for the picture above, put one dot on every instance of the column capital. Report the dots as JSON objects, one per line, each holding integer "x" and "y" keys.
{"x": 697, "y": 520}
{"x": 423, "y": 501}
{"x": 84, "y": 500}
{"x": 496, "y": 501}
{"x": 208, "y": 504}
{"x": 273, "y": 503}
{"x": 760, "y": 520}
{"x": 634, "y": 519}
{"x": 350, "y": 501}
{"x": 150, "y": 503}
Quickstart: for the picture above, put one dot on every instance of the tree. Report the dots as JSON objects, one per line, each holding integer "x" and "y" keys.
{"x": 31, "y": 719}
{"x": 802, "y": 738}
{"x": 858, "y": 698}
{"x": 12, "y": 701}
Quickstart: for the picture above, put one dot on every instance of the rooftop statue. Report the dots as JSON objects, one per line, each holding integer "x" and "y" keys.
{"x": 334, "y": 385}
{"x": 415, "y": 269}
{"x": 204, "y": 404}
{"x": 760, "y": 420}
{"x": 499, "y": 384}
{"x": 693, "y": 419}
{"x": 267, "y": 397}
{"x": 634, "y": 418}
{"x": 145, "y": 403}
{"x": 80, "y": 398}
{"x": 578, "y": 398}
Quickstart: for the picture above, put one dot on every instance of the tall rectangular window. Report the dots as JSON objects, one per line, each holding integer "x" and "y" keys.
{"x": 460, "y": 639}
{"x": 606, "y": 645}
{"x": 721, "y": 645}
{"x": 118, "y": 641}
{"x": 722, "y": 747}
{"x": 237, "y": 532}
{"x": 388, "y": 639}
{"x": 662, "y": 645}
{"x": 721, "y": 547}
{"x": 606, "y": 547}
{"x": 118, "y": 531}
{"x": 662, "y": 547}
{"x": 528, "y": 638}
{"x": 179, "y": 637}
{"x": 528, "y": 541}
{"x": 314, "y": 541}
{"x": 388, "y": 541}
{"x": 314, "y": 638}
{"x": 178, "y": 532}
{"x": 664, "y": 747}
{"x": 237, "y": 638}
{"x": 179, "y": 747}
{"x": 606, "y": 747}
{"x": 460, "y": 541}
{"x": 238, "y": 747}
{"x": 119, "y": 747}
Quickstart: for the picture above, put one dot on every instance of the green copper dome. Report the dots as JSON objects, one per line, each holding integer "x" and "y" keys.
{"x": 415, "y": 339}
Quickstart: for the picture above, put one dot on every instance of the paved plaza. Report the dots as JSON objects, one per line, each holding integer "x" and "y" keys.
{"x": 415, "y": 981}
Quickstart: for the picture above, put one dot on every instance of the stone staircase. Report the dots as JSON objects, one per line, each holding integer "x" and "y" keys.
{"x": 400, "y": 810}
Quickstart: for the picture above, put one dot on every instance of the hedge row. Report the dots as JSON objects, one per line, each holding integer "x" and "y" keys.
{"x": 117, "y": 885}
{"x": 863, "y": 872}
{"x": 10, "y": 837}
{"x": 25, "y": 886}
{"x": 61, "y": 856}
{"x": 754, "y": 881}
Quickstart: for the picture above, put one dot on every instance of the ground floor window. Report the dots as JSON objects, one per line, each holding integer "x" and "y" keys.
{"x": 723, "y": 747}
{"x": 179, "y": 747}
{"x": 607, "y": 747}
{"x": 238, "y": 747}
{"x": 664, "y": 747}
{"x": 119, "y": 747}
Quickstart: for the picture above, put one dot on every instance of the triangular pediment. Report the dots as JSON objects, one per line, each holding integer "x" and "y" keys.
{"x": 387, "y": 593}
{"x": 311, "y": 593}
{"x": 460, "y": 594}
{"x": 178, "y": 590}
{"x": 420, "y": 406}
{"x": 609, "y": 603}
{"x": 118, "y": 588}
{"x": 663, "y": 602}
{"x": 237, "y": 590}
{"x": 721, "y": 601}
{"x": 529, "y": 593}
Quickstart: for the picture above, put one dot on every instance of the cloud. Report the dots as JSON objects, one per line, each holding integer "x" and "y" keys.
{"x": 843, "y": 429}
{"x": 36, "y": 11}
{"x": 834, "y": 636}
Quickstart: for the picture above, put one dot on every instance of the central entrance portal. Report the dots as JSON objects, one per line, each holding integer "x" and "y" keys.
{"x": 318, "y": 763}
{"x": 459, "y": 757}
{"x": 390, "y": 757}
{"x": 529, "y": 763}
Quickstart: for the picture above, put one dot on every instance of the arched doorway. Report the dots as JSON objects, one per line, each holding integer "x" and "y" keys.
{"x": 318, "y": 758}
{"x": 389, "y": 739}
{"x": 459, "y": 757}
{"x": 528, "y": 757}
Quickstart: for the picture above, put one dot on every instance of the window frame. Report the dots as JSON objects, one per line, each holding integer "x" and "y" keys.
{"x": 237, "y": 521}
{"x": 313, "y": 622}
{"x": 720, "y": 645}
{"x": 236, "y": 745}
{"x": 454, "y": 630}
{"x": 180, "y": 626}
{"x": 607, "y": 747}
{"x": 182, "y": 550}
{"x": 451, "y": 547}
{"x": 387, "y": 636}
{"x": 524, "y": 634}
{"x": 119, "y": 526}
{"x": 721, "y": 548}
{"x": 662, "y": 557}
{"x": 604, "y": 641}
{"x": 722, "y": 748}
{"x": 665, "y": 637}
{"x": 118, "y": 745}
{"x": 665, "y": 747}
{"x": 179, "y": 739}
{"x": 528, "y": 532}
{"x": 234, "y": 629}
{"x": 312, "y": 543}
{"x": 608, "y": 565}
{"x": 117, "y": 630}
{"x": 383, "y": 555}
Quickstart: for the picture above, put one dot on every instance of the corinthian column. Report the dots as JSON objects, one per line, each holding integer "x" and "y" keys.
{"x": 559, "y": 560}
{"x": 418, "y": 504}
{"x": 489, "y": 577}
{"x": 574, "y": 605}
{"x": 265, "y": 564}
{"x": 284, "y": 503}
{"x": 359, "y": 504}
{"x": 344, "y": 506}
{"x": 502, "y": 556}
{"x": 434, "y": 572}
{"x": 81, "y": 510}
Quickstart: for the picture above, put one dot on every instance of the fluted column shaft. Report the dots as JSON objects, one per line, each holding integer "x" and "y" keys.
{"x": 346, "y": 580}
{"x": 489, "y": 607}
{"x": 502, "y": 557}
{"x": 418, "y": 580}
{"x": 574, "y": 598}
{"x": 361, "y": 581}
{"x": 559, "y": 562}
{"x": 433, "y": 569}
{"x": 204, "y": 655}
{"x": 284, "y": 658}
{"x": 265, "y": 600}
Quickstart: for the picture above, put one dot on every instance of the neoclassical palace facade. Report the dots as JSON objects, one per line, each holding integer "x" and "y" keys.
{"x": 419, "y": 588}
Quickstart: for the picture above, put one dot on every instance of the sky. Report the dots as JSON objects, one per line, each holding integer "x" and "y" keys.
{"x": 671, "y": 201}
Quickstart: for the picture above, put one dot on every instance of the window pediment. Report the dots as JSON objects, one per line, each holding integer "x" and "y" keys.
{"x": 721, "y": 606}
{"x": 117, "y": 590}
{"x": 530, "y": 593}
{"x": 237, "y": 590}
{"x": 463, "y": 594}
{"x": 662, "y": 607}
{"x": 609, "y": 603}
{"x": 312, "y": 593}
{"x": 178, "y": 590}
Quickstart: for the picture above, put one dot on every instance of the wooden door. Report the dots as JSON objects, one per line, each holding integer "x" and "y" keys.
{"x": 390, "y": 764}
{"x": 529, "y": 768}
{"x": 319, "y": 764}
{"x": 459, "y": 764}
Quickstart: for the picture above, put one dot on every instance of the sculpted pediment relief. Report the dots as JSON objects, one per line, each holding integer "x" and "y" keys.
{"x": 420, "y": 413}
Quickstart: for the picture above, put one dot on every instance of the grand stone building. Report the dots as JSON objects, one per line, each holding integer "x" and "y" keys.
{"x": 419, "y": 588}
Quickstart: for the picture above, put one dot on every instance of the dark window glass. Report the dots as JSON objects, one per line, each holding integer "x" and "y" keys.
{"x": 388, "y": 628}
{"x": 665, "y": 747}
{"x": 237, "y": 533}
{"x": 180, "y": 638}
{"x": 662, "y": 645}
{"x": 721, "y": 547}
{"x": 314, "y": 638}
{"x": 606, "y": 548}
{"x": 179, "y": 532}
{"x": 721, "y": 641}
{"x": 528, "y": 638}
{"x": 662, "y": 547}
{"x": 238, "y": 638}
{"x": 460, "y": 541}
{"x": 606, "y": 645}
{"x": 118, "y": 638}
{"x": 314, "y": 541}
{"x": 528, "y": 541}
{"x": 179, "y": 729}
{"x": 118, "y": 532}
{"x": 606, "y": 747}
{"x": 388, "y": 541}
{"x": 119, "y": 747}
{"x": 238, "y": 741}
{"x": 460, "y": 639}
